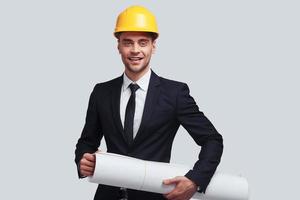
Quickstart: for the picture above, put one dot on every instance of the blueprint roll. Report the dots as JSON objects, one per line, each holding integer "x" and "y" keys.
{"x": 123, "y": 171}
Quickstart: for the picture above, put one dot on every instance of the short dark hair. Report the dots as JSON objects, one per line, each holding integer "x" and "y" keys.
{"x": 152, "y": 35}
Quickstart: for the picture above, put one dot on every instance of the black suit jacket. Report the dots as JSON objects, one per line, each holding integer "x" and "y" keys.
{"x": 168, "y": 105}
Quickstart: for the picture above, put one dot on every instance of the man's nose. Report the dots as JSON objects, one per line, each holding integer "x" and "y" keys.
{"x": 135, "y": 48}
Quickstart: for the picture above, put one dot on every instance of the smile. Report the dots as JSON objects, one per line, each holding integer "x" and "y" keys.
{"x": 135, "y": 58}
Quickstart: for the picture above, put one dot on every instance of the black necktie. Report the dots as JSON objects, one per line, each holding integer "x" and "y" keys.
{"x": 129, "y": 115}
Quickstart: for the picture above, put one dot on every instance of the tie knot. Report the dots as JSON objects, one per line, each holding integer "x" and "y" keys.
{"x": 134, "y": 87}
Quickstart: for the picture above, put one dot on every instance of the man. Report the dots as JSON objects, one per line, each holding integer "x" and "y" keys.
{"x": 139, "y": 114}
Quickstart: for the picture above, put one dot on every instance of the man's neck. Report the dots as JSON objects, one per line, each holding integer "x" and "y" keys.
{"x": 136, "y": 76}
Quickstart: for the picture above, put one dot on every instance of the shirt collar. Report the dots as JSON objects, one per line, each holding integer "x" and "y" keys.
{"x": 143, "y": 82}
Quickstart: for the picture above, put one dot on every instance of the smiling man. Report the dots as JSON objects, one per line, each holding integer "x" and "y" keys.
{"x": 139, "y": 114}
{"x": 136, "y": 49}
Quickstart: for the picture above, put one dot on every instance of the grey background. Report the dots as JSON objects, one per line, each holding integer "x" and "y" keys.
{"x": 240, "y": 59}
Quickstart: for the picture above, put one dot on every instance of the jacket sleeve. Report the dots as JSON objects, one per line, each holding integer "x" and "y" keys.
{"x": 204, "y": 134}
{"x": 91, "y": 135}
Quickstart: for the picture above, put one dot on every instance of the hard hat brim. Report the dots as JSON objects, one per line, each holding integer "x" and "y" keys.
{"x": 154, "y": 35}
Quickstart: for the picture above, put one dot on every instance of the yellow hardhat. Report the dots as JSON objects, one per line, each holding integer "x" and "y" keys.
{"x": 136, "y": 18}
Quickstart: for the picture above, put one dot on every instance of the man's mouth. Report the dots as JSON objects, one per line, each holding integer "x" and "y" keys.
{"x": 135, "y": 58}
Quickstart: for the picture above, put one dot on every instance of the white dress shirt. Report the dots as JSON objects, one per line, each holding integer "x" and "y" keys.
{"x": 140, "y": 99}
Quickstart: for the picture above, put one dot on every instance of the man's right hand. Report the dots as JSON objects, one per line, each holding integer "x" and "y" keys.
{"x": 87, "y": 164}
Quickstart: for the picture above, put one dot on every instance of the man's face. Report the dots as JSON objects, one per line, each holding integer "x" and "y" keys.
{"x": 136, "y": 49}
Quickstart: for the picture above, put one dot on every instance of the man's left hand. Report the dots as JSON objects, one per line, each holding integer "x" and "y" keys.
{"x": 184, "y": 190}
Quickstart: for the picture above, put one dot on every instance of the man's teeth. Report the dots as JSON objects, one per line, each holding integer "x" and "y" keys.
{"x": 135, "y": 58}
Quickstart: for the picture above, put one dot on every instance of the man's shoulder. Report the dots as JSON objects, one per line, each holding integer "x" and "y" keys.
{"x": 109, "y": 84}
{"x": 171, "y": 83}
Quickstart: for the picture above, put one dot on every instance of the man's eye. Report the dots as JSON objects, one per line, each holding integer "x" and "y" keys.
{"x": 126, "y": 43}
{"x": 143, "y": 43}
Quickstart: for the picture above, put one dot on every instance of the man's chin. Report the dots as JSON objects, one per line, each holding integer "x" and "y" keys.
{"x": 136, "y": 69}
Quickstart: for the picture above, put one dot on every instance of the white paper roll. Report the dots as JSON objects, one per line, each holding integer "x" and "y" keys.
{"x": 118, "y": 170}
{"x": 122, "y": 171}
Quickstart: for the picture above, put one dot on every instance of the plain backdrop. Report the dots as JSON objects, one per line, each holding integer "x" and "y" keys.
{"x": 239, "y": 58}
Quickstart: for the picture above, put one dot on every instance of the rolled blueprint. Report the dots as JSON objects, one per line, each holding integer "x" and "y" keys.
{"x": 123, "y": 171}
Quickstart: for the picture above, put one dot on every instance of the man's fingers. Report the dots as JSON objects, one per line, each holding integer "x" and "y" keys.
{"x": 87, "y": 168}
{"x": 174, "y": 193}
{"x": 87, "y": 163}
{"x": 86, "y": 173}
{"x": 171, "y": 181}
{"x": 89, "y": 157}
{"x": 184, "y": 189}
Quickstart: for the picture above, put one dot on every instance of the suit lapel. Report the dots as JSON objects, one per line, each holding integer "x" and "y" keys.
{"x": 115, "y": 99}
{"x": 151, "y": 99}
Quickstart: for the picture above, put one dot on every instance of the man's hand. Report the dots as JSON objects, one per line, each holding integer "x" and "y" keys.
{"x": 87, "y": 164}
{"x": 184, "y": 190}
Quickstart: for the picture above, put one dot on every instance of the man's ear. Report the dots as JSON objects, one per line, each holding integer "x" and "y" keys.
{"x": 118, "y": 46}
{"x": 153, "y": 46}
